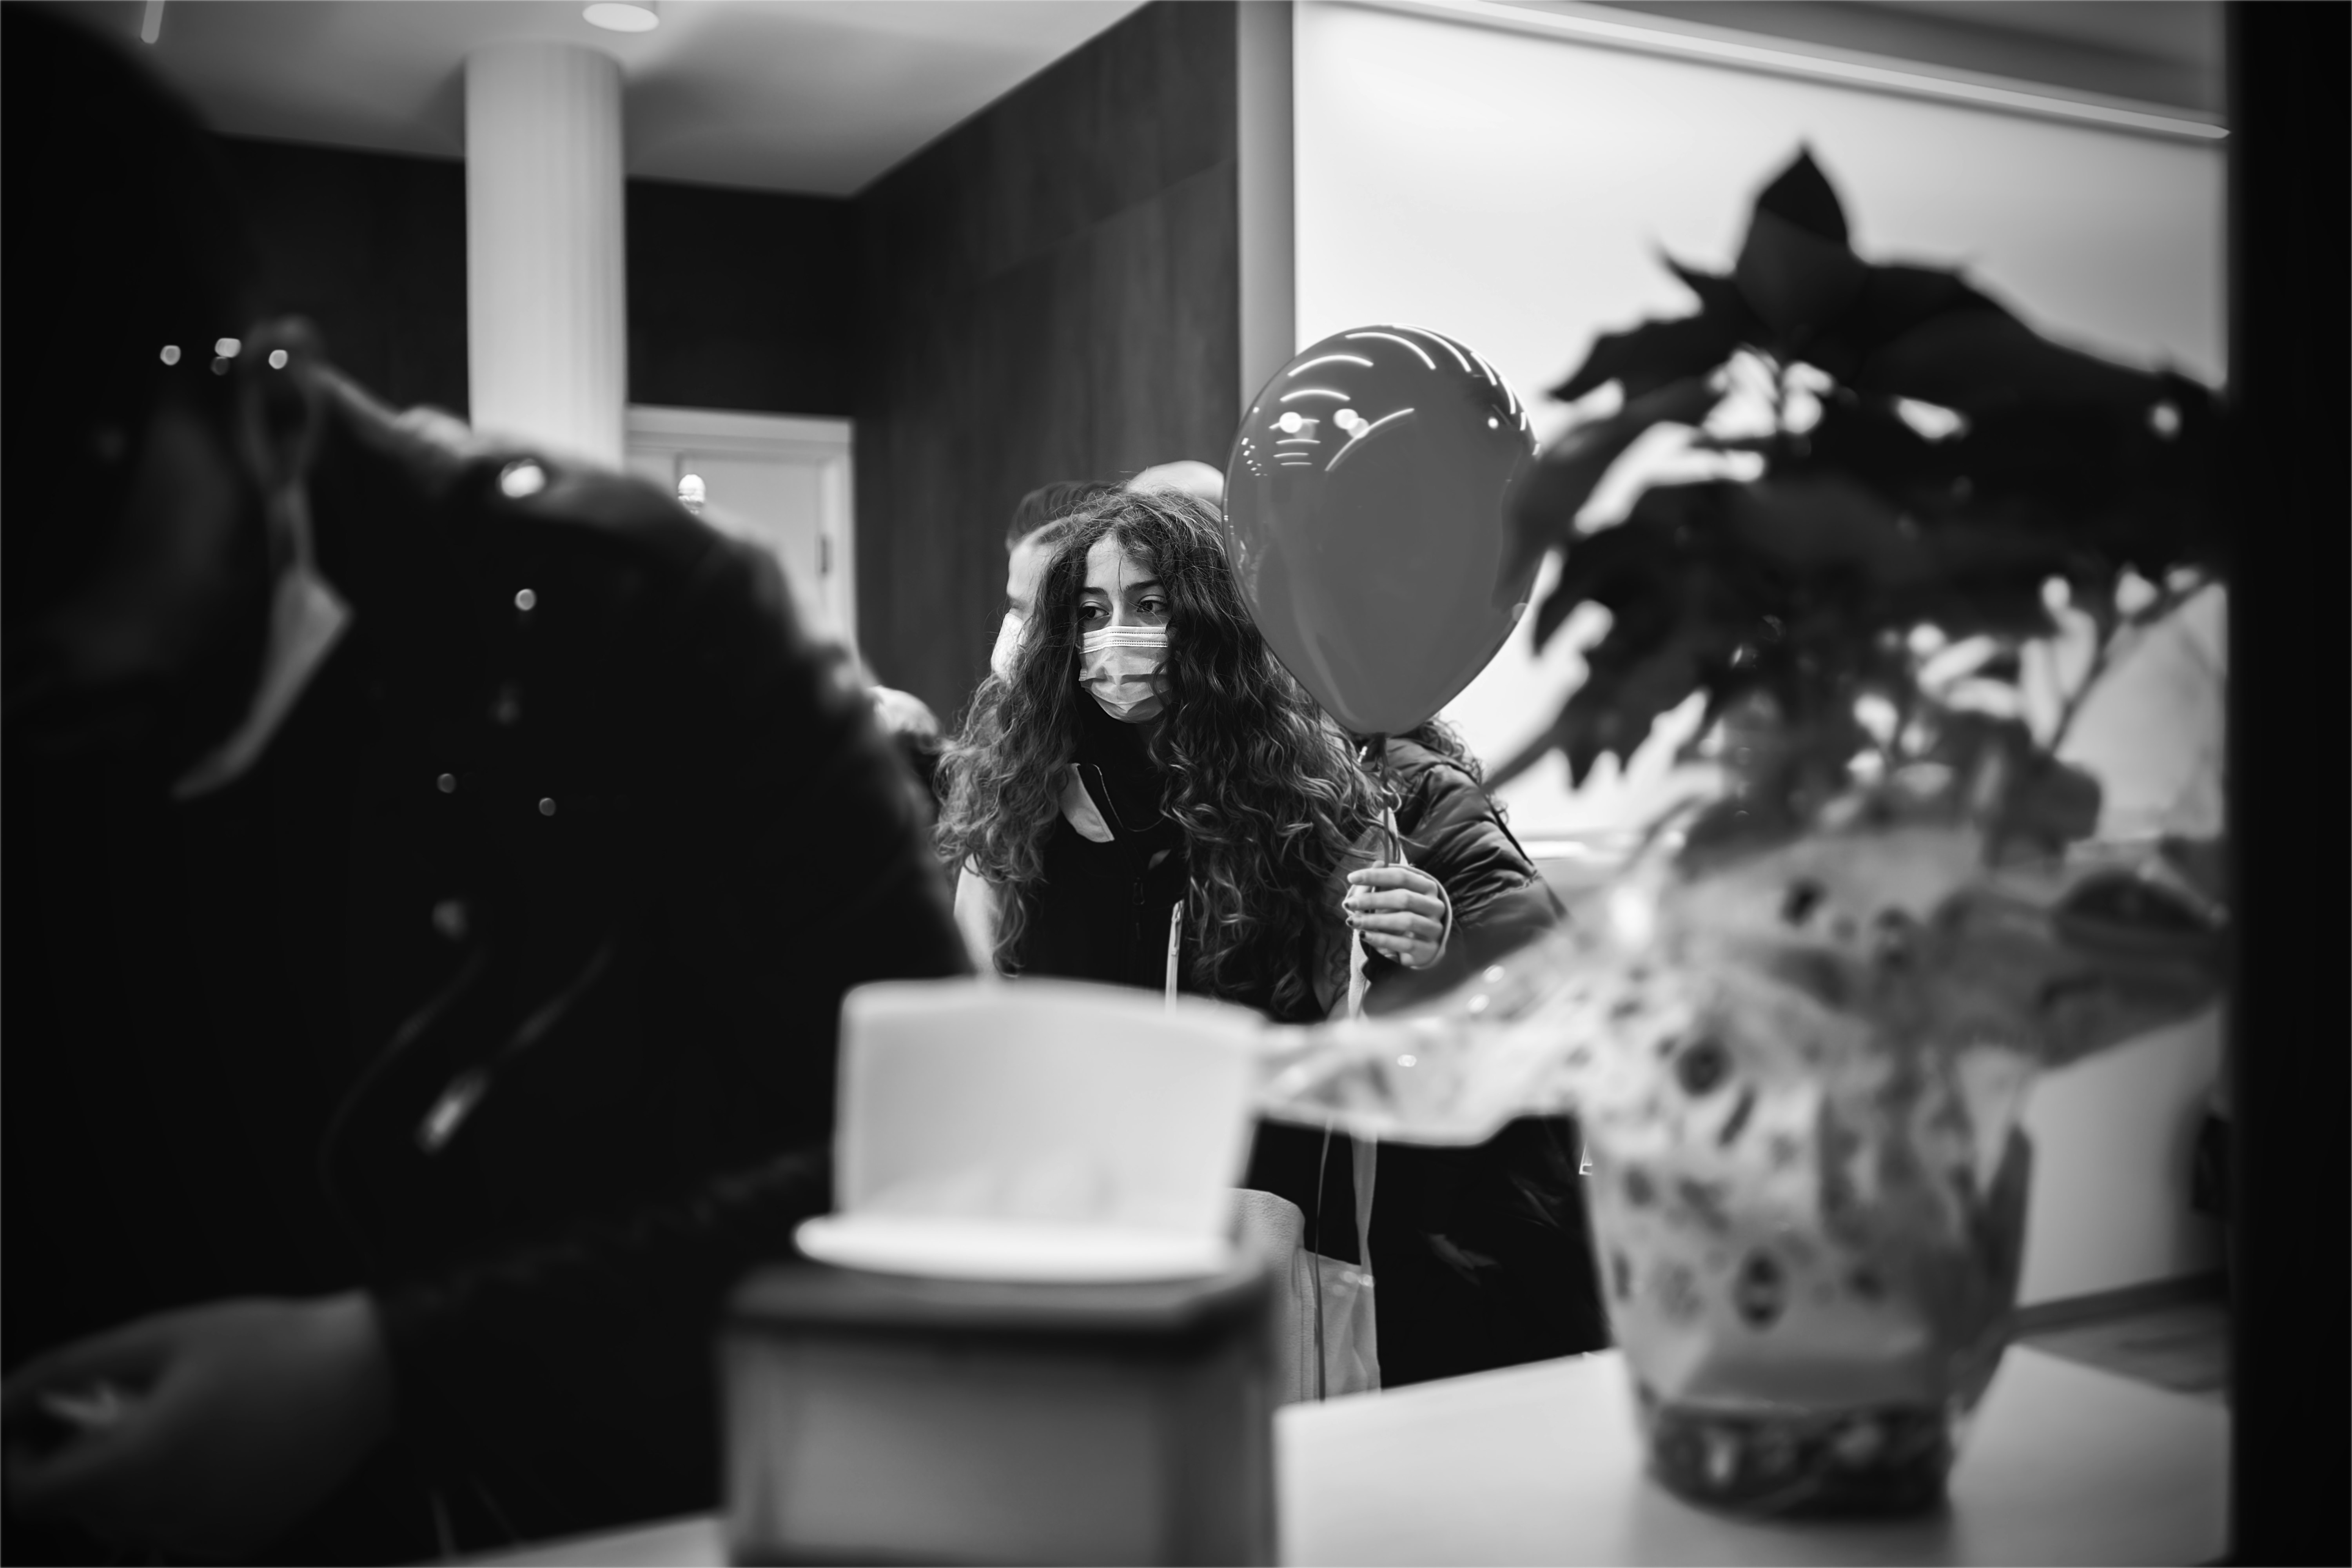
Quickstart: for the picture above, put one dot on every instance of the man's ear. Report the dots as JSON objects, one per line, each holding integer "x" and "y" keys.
{"x": 281, "y": 413}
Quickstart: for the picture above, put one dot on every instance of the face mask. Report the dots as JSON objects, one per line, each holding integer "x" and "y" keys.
{"x": 1008, "y": 646}
{"x": 1120, "y": 668}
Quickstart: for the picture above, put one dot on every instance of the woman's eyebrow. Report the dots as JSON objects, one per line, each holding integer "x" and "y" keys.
{"x": 1145, "y": 586}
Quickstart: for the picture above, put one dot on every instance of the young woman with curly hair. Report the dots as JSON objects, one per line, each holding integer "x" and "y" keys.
{"x": 1146, "y": 757}
{"x": 1147, "y": 777}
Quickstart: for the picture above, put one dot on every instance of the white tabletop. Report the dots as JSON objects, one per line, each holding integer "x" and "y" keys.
{"x": 1542, "y": 1464}
{"x": 1539, "y": 1464}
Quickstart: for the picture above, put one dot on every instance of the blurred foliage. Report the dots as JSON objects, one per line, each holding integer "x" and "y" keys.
{"x": 1935, "y": 469}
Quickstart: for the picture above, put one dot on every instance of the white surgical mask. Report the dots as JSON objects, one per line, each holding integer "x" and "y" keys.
{"x": 1008, "y": 646}
{"x": 1120, "y": 668}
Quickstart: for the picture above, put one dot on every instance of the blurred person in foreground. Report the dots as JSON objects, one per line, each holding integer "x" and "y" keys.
{"x": 915, "y": 730}
{"x": 434, "y": 870}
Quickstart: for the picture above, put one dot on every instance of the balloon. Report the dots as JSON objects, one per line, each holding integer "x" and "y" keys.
{"x": 1367, "y": 505}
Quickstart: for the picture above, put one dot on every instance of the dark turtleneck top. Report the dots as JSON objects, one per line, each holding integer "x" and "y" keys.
{"x": 1103, "y": 911}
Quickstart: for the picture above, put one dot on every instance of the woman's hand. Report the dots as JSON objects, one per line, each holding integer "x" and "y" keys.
{"x": 1400, "y": 912}
{"x": 207, "y": 1432}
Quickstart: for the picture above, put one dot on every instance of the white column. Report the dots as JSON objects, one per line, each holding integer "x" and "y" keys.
{"x": 546, "y": 294}
{"x": 1269, "y": 194}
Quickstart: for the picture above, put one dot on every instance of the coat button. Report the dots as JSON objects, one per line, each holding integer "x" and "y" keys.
{"x": 546, "y": 806}
{"x": 447, "y": 783}
{"x": 522, "y": 477}
{"x": 449, "y": 919}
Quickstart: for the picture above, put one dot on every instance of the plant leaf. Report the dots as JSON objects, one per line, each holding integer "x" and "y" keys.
{"x": 1639, "y": 570}
{"x": 1813, "y": 523}
{"x": 1718, "y": 292}
{"x": 1826, "y": 524}
{"x": 1619, "y": 702}
{"x": 2051, "y": 804}
{"x": 1794, "y": 280}
{"x": 1898, "y": 298}
{"x": 1677, "y": 621}
{"x": 1544, "y": 512}
{"x": 1865, "y": 437}
{"x": 1979, "y": 360}
{"x": 1644, "y": 358}
{"x": 1625, "y": 569}
{"x": 1801, "y": 195}
{"x": 1891, "y": 301}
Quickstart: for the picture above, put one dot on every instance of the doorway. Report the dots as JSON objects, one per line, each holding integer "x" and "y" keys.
{"x": 781, "y": 481}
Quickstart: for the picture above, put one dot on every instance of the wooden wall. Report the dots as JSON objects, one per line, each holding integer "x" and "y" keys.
{"x": 1050, "y": 290}
{"x": 371, "y": 249}
{"x": 738, "y": 299}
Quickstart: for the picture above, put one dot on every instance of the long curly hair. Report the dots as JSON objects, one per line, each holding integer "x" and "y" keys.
{"x": 1260, "y": 782}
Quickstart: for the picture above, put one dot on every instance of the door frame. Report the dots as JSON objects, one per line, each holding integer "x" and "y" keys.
{"x": 827, "y": 442}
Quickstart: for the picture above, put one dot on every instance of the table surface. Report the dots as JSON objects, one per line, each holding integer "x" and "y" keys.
{"x": 1538, "y": 1464}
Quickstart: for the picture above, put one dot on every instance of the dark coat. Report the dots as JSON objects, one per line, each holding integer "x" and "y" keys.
{"x": 505, "y": 984}
{"x": 1481, "y": 1254}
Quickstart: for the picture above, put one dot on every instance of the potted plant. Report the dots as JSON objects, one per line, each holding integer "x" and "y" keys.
{"x": 1801, "y": 1028}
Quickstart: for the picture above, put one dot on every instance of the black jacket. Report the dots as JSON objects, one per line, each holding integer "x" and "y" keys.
{"x": 1481, "y": 1254}
{"x": 505, "y": 983}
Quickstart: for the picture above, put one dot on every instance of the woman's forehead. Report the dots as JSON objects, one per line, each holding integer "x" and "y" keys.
{"x": 1111, "y": 566}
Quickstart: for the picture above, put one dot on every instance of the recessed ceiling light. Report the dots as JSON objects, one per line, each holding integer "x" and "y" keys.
{"x": 622, "y": 17}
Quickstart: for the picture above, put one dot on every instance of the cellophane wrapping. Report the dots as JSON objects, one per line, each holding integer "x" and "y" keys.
{"x": 1799, "y": 1073}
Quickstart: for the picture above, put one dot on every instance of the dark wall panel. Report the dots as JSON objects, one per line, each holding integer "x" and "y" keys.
{"x": 1050, "y": 291}
{"x": 737, "y": 300}
{"x": 371, "y": 249}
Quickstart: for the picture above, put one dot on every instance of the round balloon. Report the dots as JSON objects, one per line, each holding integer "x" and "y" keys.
{"x": 1367, "y": 501}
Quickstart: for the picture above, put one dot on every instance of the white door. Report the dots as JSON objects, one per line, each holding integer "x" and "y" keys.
{"x": 780, "y": 482}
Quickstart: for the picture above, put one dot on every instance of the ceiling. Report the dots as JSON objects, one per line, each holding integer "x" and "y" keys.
{"x": 817, "y": 96}
{"x": 823, "y": 95}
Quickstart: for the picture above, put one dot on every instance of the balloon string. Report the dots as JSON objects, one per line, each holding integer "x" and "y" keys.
{"x": 1384, "y": 774}
{"x": 1358, "y": 981}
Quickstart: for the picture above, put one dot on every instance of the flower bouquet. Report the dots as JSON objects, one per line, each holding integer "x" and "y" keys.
{"x": 1800, "y": 1025}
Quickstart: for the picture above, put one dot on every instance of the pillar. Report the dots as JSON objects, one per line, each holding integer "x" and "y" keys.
{"x": 546, "y": 295}
{"x": 1268, "y": 198}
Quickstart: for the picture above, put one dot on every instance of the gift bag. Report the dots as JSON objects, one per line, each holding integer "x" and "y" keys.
{"x": 1325, "y": 1337}
{"x": 1347, "y": 1325}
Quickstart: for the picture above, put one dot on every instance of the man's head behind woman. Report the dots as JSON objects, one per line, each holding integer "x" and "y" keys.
{"x": 1261, "y": 783}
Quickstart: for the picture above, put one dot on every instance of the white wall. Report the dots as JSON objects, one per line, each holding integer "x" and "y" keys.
{"x": 1514, "y": 191}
